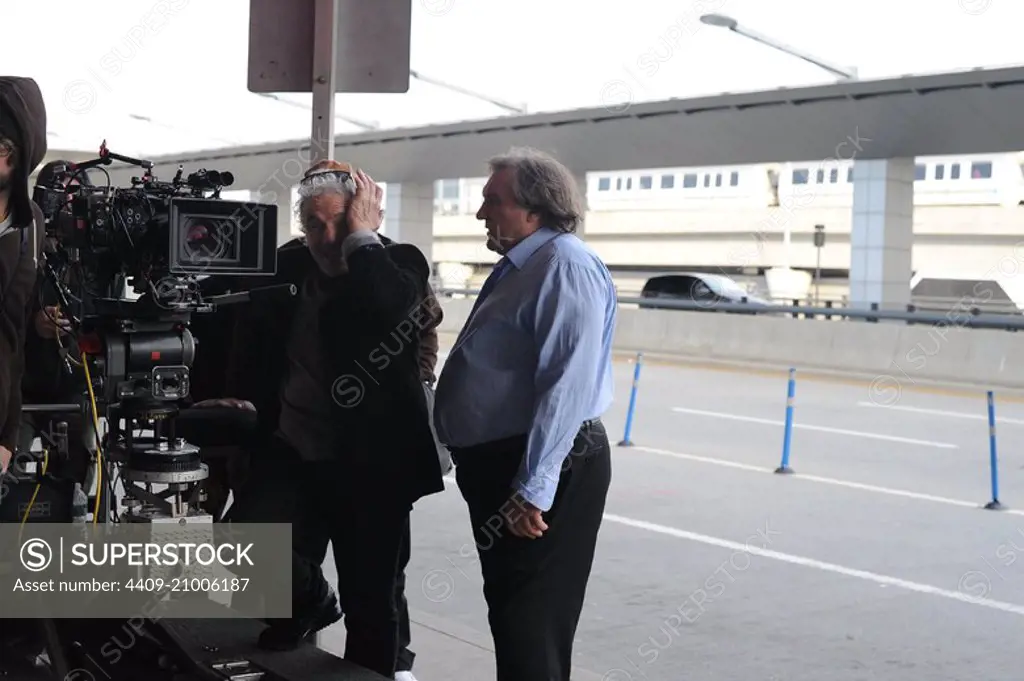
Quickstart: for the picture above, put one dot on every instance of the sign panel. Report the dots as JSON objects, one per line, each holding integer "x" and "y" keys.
{"x": 373, "y": 49}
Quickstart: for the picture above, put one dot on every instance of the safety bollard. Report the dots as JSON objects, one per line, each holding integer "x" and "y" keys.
{"x": 626, "y": 442}
{"x": 993, "y": 460}
{"x": 787, "y": 437}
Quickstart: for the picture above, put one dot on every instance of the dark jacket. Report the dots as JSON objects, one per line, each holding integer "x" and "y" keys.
{"x": 242, "y": 353}
{"x": 23, "y": 119}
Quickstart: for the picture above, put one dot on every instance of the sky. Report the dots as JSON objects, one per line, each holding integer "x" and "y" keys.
{"x": 154, "y": 77}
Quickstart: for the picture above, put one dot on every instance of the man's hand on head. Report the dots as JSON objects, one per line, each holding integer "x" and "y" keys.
{"x": 364, "y": 212}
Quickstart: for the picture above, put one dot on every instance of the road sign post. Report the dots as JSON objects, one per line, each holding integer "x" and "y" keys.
{"x": 325, "y": 47}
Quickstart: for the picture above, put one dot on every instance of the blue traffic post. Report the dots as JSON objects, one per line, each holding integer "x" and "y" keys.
{"x": 788, "y": 436}
{"x": 626, "y": 442}
{"x": 993, "y": 459}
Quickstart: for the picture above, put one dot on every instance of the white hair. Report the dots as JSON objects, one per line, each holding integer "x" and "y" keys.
{"x": 321, "y": 184}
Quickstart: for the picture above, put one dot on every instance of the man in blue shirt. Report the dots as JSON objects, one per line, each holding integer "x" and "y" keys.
{"x": 519, "y": 403}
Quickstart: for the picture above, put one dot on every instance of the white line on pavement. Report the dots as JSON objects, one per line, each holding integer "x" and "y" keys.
{"x": 863, "y": 487}
{"x": 938, "y": 412}
{"x": 818, "y": 565}
{"x": 823, "y": 429}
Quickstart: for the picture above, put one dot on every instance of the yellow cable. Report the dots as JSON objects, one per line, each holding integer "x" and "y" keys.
{"x": 39, "y": 484}
{"x": 99, "y": 445}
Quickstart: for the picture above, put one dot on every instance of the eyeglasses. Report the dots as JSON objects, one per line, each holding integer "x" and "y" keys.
{"x": 324, "y": 178}
{"x": 7, "y": 148}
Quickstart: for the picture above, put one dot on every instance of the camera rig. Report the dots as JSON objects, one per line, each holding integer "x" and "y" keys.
{"x": 138, "y": 254}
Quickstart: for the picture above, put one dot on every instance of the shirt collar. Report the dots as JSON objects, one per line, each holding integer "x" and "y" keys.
{"x": 521, "y": 252}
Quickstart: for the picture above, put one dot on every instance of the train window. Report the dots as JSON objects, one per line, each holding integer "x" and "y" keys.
{"x": 849, "y": 174}
{"x": 954, "y": 171}
{"x": 800, "y": 176}
{"x": 689, "y": 181}
{"x": 833, "y": 176}
{"x": 940, "y": 171}
{"x": 734, "y": 179}
{"x": 604, "y": 184}
{"x": 819, "y": 177}
{"x": 707, "y": 180}
{"x": 718, "y": 180}
{"x": 618, "y": 184}
{"x": 668, "y": 181}
{"x": 981, "y": 171}
{"x": 920, "y": 172}
{"x": 646, "y": 182}
{"x": 629, "y": 183}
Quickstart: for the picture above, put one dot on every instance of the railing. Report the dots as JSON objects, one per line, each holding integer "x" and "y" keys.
{"x": 955, "y": 316}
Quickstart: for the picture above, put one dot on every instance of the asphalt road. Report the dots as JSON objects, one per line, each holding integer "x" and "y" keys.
{"x": 873, "y": 561}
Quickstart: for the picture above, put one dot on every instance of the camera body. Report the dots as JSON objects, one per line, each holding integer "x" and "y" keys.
{"x": 138, "y": 255}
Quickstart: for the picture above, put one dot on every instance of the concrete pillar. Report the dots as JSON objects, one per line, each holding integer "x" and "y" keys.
{"x": 581, "y": 182}
{"x": 882, "y": 233}
{"x": 409, "y": 215}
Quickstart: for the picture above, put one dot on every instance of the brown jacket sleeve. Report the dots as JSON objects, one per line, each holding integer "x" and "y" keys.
{"x": 429, "y": 344}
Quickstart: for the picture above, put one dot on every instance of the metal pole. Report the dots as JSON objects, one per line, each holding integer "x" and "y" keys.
{"x": 844, "y": 73}
{"x": 993, "y": 459}
{"x": 469, "y": 93}
{"x": 626, "y": 441}
{"x": 817, "y": 279}
{"x": 325, "y": 50}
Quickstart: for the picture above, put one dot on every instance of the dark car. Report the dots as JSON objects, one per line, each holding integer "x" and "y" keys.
{"x": 707, "y": 290}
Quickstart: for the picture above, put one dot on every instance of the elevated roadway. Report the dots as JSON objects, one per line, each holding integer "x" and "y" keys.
{"x": 952, "y": 113}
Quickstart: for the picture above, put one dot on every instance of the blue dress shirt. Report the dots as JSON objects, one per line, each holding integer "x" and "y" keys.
{"x": 534, "y": 358}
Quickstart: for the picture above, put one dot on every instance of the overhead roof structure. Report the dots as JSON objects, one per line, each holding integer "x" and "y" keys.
{"x": 978, "y": 111}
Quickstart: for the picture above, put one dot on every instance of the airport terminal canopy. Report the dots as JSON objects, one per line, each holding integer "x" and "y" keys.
{"x": 969, "y": 112}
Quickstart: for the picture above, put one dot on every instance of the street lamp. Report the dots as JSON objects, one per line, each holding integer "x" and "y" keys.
{"x": 469, "y": 93}
{"x": 730, "y": 24}
{"x": 365, "y": 125}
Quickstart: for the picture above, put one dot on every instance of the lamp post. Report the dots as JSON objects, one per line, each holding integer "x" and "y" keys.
{"x": 843, "y": 73}
{"x": 469, "y": 93}
{"x": 730, "y": 24}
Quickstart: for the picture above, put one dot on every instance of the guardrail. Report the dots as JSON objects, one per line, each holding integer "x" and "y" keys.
{"x": 955, "y": 317}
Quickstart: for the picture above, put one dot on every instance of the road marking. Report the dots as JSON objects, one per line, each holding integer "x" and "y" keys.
{"x": 939, "y": 412}
{"x": 863, "y": 487}
{"x": 884, "y": 580}
{"x": 823, "y": 429}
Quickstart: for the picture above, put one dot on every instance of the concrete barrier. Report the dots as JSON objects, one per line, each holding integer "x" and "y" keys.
{"x": 894, "y": 354}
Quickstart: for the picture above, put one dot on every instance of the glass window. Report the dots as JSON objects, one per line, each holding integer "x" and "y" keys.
{"x": 920, "y": 172}
{"x": 954, "y": 171}
{"x": 940, "y": 171}
{"x": 604, "y": 184}
{"x": 668, "y": 181}
{"x": 629, "y": 183}
{"x": 981, "y": 171}
{"x": 849, "y": 174}
{"x": 734, "y": 179}
{"x": 646, "y": 182}
{"x": 819, "y": 177}
{"x": 800, "y": 176}
{"x": 718, "y": 180}
{"x": 689, "y": 181}
{"x": 707, "y": 180}
{"x": 833, "y": 176}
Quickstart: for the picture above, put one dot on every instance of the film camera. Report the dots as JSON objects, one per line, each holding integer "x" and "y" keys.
{"x": 138, "y": 255}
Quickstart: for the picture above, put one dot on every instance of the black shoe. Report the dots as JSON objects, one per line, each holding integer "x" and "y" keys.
{"x": 288, "y": 634}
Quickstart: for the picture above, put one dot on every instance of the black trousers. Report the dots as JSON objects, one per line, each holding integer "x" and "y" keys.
{"x": 535, "y": 588}
{"x": 368, "y": 529}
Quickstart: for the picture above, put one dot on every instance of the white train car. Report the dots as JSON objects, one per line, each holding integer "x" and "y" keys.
{"x": 979, "y": 180}
{"x": 973, "y": 180}
{"x": 680, "y": 188}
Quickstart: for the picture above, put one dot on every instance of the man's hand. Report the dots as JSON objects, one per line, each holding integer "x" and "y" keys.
{"x": 225, "y": 402}
{"x": 364, "y": 213}
{"x": 5, "y": 459}
{"x": 49, "y": 324}
{"x": 523, "y": 519}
